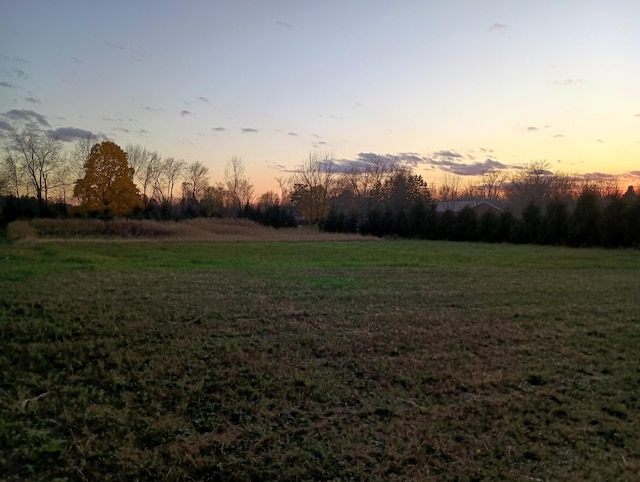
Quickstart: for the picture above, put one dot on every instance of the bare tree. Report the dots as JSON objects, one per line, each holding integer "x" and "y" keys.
{"x": 38, "y": 154}
{"x": 64, "y": 177}
{"x": 364, "y": 181}
{"x": 195, "y": 180}
{"x": 137, "y": 157}
{"x": 214, "y": 199}
{"x": 163, "y": 176}
{"x": 268, "y": 199}
{"x": 492, "y": 185}
{"x": 286, "y": 188}
{"x": 158, "y": 179}
{"x": 448, "y": 191}
{"x": 602, "y": 184}
{"x": 12, "y": 173}
{"x": 71, "y": 166}
{"x": 173, "y": 171}
{"x": 144, "y": 164}
{"x": 364, "y": 178}
{"x": 313, "y": 182}
{"x": 490, "y": 188}
{"x": 537, "y": 184}
{"x": 82, "y": 151}
{"x": 147, "y": 173}
{"x": 239, "y": 187}
{"x": 530, "y": 185}
{"x": 5, "y": 181}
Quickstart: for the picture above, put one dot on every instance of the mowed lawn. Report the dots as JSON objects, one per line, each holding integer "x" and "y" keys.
{"x": 377, "y": 360}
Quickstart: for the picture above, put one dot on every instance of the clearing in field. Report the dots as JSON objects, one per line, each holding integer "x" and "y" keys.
{"x": 350, "y": 360}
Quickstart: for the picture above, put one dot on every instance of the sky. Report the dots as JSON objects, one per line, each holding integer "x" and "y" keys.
{"x": 452, "y": 87}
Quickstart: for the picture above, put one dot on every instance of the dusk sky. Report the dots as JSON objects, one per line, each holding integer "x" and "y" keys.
{"x": 457, "y": 86}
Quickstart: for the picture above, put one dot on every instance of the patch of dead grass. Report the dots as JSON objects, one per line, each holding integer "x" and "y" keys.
{"x": 198, "y": 229}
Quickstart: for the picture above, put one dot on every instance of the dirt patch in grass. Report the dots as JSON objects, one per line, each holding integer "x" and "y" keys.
{"x": 322, "y": 373}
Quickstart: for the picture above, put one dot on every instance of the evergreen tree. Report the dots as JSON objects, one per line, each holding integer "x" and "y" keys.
{"x": 584, "y": 221}
{"x": 555, "y": 223}
{"x": 528, "y": 228}
{"x": 465, "y": 225}
{"x": 488, "y": 228}
{"x": 614, "y": 230}
{"x": 446, "y": 225}
{"x": 506, "y": 223}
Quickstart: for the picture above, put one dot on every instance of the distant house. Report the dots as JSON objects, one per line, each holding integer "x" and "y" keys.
{"x": 480, "y": 207}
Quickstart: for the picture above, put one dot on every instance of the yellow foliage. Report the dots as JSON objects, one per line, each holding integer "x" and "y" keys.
{"x": 107, "y": 186}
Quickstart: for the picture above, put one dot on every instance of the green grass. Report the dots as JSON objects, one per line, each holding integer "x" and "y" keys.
{"x": 389, "y": 360}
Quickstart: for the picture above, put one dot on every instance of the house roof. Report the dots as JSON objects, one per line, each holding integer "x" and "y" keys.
{"x": 456, "y": 206}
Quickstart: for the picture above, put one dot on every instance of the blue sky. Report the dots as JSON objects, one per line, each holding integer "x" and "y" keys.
{"x": 452, "y": 87}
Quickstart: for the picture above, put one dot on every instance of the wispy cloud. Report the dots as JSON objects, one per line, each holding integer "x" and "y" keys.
{"x": 559, "y": 135}
{"x": 249, "y": 130}
{"x": 600, "y": 141}
{"x": 283, "y": 24}
{"x": 16, "y": 60}
{"x": 184, "y": 113}
{"x": 475, "y": 168}
{"x": 596, "y": 175}
{"x": 5, "y": 126}
{"x": 569, "y": 82}
{"x": 447, "y": 154}
{"x": 496, "y": 26}
{"x": 20, "y": 74}
{"x": 6, "y": 84}
{"x": 153, "y": 108}
{"x": 532, "y": 129}
{"x": 411, "y": 158}
{"x": 217, "y": 129}
{"x": 456, "y": 163}
{"x": 452, "y": 161}
{"x": 76, "y": 60}
{"x": 135, "y": 53}
{"x": 276, "y": 165}
{"x": 203, "y": 99}
{"x": 33, "y": 100}
{"x": 71, "y": 134}
{"x": 115, "y": 46}
{"x": 292, "y": 134}
{"x": 26, "y": 115}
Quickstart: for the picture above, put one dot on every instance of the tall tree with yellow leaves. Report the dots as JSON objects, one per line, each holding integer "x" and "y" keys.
{"x": 107, "y": 186}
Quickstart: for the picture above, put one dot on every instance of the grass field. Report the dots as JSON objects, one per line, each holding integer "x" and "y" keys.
{"x": 378, "y": 360}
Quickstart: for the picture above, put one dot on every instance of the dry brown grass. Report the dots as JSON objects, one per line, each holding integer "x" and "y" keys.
{"x": 21, "y": 230}
{"x": 199, "y": 229}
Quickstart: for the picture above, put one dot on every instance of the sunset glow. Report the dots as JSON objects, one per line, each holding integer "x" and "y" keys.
{"x": 456, "y": 87}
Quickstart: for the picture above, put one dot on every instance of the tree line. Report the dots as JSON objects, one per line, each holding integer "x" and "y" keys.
{"x": 39, "y": 178}
{"x": 383, "y": 197}
{"x": 378, "y": 196}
